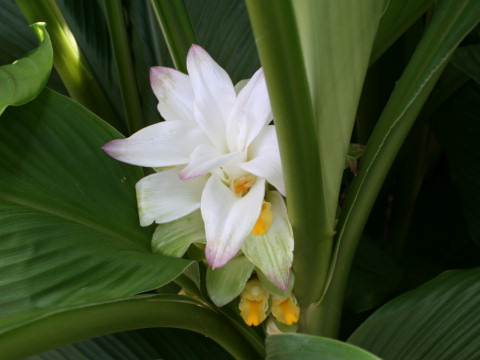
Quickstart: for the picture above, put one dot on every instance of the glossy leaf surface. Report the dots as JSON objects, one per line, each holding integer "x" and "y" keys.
{"x": 70, "y": 229}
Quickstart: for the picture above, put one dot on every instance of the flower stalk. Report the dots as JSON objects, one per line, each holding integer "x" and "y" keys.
{"x": 287, "y": 83}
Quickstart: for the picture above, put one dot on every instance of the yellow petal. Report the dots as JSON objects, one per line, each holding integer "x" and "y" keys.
{"x": 264, "y": 220}
{"x": 253, "y": 303}
{"x": 285, "y": 310}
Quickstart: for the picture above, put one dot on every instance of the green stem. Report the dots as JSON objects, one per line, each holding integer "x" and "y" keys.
{"x": 68, "y": 59}
{"x": 274, "y": 27}
{"x": 177, "y": 29}
{"x": 451, "y": 22}
{"x": 122, "y": 54}
{"x": 62, "y": 327}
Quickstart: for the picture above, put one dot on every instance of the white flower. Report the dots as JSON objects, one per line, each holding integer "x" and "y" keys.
{"x": 218, "y": 151}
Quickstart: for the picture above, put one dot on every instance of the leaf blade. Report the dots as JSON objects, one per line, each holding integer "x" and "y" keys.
{"x": 23, "y": 80}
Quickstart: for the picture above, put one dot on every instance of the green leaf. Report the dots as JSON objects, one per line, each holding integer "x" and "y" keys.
{"x": 176, "y": 28}
{"x": 23, "y": 80}
{"x": 226, "y": 283}
{"x": 308, "y": 347}
{"x": 398, "y": 17}
{"x": 174, "y": 238}
{"x": 440, "y": 320}
{"x": 16, "y": 39}
{"x": 451, "y": 22}
{"x": 373, "y": 278}
{"x": 457, "y": 128}
{"x": 70, "y": 229}
{"x": 224, "y": 30}
{"x": 68, "y": 59}
{"x": 337, "y": 39}
{"x": 87, "y": 23}
{"x": 172, "y": 344}
{"x": 27, "y": 334}
{"x": 467, "y": 59}
{"x": 147, "y": 47}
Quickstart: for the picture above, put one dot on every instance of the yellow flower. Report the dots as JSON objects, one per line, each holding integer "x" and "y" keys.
{"x": 285, "y": 309}
{"x": 254, "y": 303}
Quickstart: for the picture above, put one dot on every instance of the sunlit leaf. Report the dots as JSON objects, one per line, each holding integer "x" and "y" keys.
{"x": 23, "y": 80}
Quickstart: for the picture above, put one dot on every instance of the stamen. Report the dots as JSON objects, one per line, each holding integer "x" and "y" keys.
{"x": 264, "y": 220}
{"x": 243, "y": 184}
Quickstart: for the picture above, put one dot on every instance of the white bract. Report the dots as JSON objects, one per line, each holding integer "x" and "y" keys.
{"x": 216, "y": 151}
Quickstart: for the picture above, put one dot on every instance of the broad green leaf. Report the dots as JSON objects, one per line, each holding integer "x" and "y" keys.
{"x": 467, "y": 59}
{"x": 398, "y": 17}
{"x": 174, "y": 238}
{"x": 308, "y": 347}
{"x": 28, "y": 334}
{"x": 23, "y": 80}
{"x": 272, "y": 252}
{"x": 172, "y": 344}
{"x": 70, "y": 229}
{"x": 226, "y": 283}
{"x": 440, "y": 320}
{"x": 457, "y": 127}
{"x": 374, "y": 276}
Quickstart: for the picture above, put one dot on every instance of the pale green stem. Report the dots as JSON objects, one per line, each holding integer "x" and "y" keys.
{"x": 278, "y": 44}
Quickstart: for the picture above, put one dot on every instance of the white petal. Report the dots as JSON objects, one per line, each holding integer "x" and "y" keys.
{"x": 272, "y": 253}
{"x": 228, "y": 218}
{"x": 252, "y": 100}
{"x": 206, "y": 158}
{"x": 163, "y": 144}
{"x": 265, "y": 159}
{"x": 163, "y": 197}
{"x": 174, "y": 93}
{"x": 214, "y": 94}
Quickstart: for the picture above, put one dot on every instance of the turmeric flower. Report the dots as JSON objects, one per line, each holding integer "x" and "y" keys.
{"x": 215, "y": 152}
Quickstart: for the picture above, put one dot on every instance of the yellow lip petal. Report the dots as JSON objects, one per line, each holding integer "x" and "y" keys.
{"x": 264, "y": 221}
{"x": 285, "y": 310}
